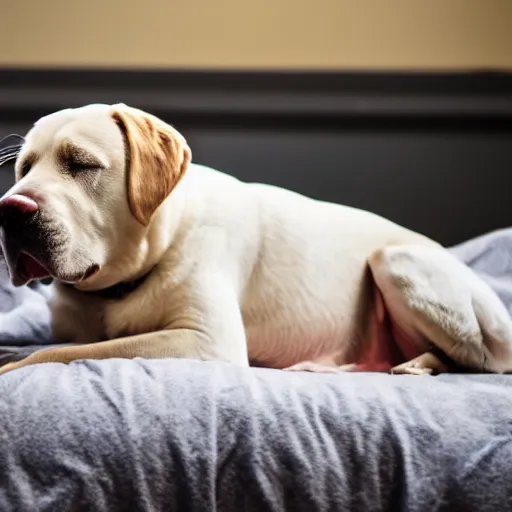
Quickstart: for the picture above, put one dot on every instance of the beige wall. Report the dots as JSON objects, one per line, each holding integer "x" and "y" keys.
{"x": 324, "y": 34}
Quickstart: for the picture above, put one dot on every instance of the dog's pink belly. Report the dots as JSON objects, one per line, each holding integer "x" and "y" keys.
{"x": 383, "y": 346}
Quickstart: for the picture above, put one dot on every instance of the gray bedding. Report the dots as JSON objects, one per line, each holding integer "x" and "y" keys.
{"x": 191, "y": 436}
{"x": 185, "y": 435}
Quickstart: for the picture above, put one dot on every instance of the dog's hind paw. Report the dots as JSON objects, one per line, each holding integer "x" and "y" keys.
{"x": 313, "y": 367}
{"x": 425, "y": 364}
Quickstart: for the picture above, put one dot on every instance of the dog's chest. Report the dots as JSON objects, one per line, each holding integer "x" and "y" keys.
{"x": 134, "y": 314}
{"x": 79, "y": 320}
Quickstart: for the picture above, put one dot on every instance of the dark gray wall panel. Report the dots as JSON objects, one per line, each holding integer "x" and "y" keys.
{"x": 432, "y": 152}
{"x": 449, "y": 187}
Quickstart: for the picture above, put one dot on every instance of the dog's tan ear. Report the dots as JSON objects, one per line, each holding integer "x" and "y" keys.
{"x": 157, "y": 158}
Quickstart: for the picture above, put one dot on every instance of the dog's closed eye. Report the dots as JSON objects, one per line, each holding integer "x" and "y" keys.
{"x": 74, "y": 159}
{"x": 75, "y": 165}
{"x": 25, "y": 165}
{"x": 25, "y": 168}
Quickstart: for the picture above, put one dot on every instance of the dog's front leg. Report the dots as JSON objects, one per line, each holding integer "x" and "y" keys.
{"x": 205, "y": 323}
{"x": 176, "y": 343}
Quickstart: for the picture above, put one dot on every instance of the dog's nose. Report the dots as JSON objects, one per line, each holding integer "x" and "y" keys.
{"x": 22, "y": 204}
{"x": 17, "y": 208}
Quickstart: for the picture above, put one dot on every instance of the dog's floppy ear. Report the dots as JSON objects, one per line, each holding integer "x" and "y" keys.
{"x": 157, "y": 158}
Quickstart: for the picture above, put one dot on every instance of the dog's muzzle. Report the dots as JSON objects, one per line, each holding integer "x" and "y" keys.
{"x": 20, "y": 239}
{"x": 18, "y": 224}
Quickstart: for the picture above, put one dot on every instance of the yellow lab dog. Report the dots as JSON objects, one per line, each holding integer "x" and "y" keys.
{"x": 154, "y": 256}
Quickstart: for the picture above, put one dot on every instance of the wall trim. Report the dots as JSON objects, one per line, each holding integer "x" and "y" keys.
{"x": 207, "y": 96}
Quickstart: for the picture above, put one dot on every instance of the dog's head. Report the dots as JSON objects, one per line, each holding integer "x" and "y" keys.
{"x": 89, "y": 185}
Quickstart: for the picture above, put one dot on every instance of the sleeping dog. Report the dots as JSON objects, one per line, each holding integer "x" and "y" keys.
{"x": 153, "y": 256}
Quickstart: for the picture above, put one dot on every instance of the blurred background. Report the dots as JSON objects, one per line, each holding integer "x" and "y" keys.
{"x": 403, "y": 107}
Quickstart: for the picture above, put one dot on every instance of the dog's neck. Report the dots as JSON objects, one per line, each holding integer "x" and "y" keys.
{"x": 117, "y": 291}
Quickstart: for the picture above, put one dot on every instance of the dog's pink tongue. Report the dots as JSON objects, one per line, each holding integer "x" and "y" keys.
{"x": 30, "y": 268}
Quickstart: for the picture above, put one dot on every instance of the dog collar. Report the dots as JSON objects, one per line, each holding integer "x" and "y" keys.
{"x": 118, "y": 291}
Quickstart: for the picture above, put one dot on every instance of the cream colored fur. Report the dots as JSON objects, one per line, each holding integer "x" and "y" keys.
{"x": 243, "y": 272}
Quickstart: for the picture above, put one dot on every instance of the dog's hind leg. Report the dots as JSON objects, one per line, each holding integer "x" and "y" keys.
{"x": 435, "y": 300}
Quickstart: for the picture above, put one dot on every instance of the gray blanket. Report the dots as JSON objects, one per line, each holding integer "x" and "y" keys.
{"x": 184, "y": 435}
{"x": 191, "y": 436}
